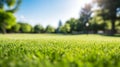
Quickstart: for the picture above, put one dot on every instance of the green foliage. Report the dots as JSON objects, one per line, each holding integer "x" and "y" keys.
{"x": 7, "y": 20}
{"x": 38, "y": 29}
{"x": 25, "y": 28}
{"x": 10, "y": 2}
{"x": 16, "y": 28}
{"x": 12, "y": 5}
{"x": 85, "y": 13}
{"x": 29, "y": 50}
{"x": 118, "y": 26}
{"x": 97, "y": 23}
{"x": 73, "y": 24}
{"x": 80, "y": 26}
{"x": 65, "y": 29}
{"x": 59, "y": 25}
{"x": 108, "y": 25}
{"x": 109, "y": 11}
{"x": 50, "y": 29}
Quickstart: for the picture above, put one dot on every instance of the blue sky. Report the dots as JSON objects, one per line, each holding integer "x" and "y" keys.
{"x": 48, "y": 12}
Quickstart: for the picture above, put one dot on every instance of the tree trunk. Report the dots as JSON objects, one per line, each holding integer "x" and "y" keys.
{"x": 3, "y": 30}
{"x": 112, "y": 27}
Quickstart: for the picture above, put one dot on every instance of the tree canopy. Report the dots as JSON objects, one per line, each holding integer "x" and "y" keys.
{"x": 38, "y": 28}
{"x": 25, "y": 28}
{"x": 50, "y": 29}
{"x": 7, "y": 19}
{"x": 12, "y": 5}
{"x": 109, "y": 11}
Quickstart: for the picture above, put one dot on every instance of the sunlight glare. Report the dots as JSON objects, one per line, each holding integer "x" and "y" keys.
{"x": 83, "y": 2}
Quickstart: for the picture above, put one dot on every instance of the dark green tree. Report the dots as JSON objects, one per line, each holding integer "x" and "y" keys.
{"x": 109, "y": 11}
{"x": 59, "y": 25}
{"x": 50, "y": 29}
{"x": 97, "y": 23}
{"x": 25, "y": 28}
{"x": 73, "y": 24}
{"x": 85, "y": 15}
{"x": 12, "y": 5}
{"x": 65, "y": 29}
{"x": 7, "y": 19}
{"x": 16, "y": 28}
{"x": 118, "y": 26}
{"x": 38, "y": 28}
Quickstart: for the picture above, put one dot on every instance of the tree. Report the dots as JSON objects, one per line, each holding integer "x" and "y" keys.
{"x": 59, "y": 25}
{"x": 65, "y": 29}
{"x": 7, "y": 8}
{"x": 97, "y": 23}
{"x": 50, "y": 29}
{"x": 12, "y": 5}
{"x": 16, "y": 28}
{"x": 118, "y": 26}
{"x": 109, "y": 11}
{"x": 85, "y": 15}
{"x": 7, "y": 20}
{"x": 80, "y": 26}
{"x": 25, "y": 28}
{"x": 38, "y": 28}
{"x": 73, "y": 24}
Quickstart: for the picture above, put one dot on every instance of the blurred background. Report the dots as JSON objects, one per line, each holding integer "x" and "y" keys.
{"x": 60, "y": 16}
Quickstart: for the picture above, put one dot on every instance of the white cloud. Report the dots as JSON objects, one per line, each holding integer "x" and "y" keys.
{"x": 22, "y": 17}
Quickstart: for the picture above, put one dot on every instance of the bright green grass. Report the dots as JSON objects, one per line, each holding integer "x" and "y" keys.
{"x": 46, "y": 50}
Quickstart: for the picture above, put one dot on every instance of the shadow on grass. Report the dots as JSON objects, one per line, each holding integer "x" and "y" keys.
{"x": 116, "y": 35}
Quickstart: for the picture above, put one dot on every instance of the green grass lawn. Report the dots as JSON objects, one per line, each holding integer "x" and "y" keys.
{"x": 50, "y": 50}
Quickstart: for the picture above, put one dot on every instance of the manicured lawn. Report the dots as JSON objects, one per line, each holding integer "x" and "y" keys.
{"x": 50, "y": 50}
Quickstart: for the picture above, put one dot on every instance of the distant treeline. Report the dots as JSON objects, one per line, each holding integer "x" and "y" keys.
{"x": 106, "y": 19}
{"x": 72, "y": 26}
